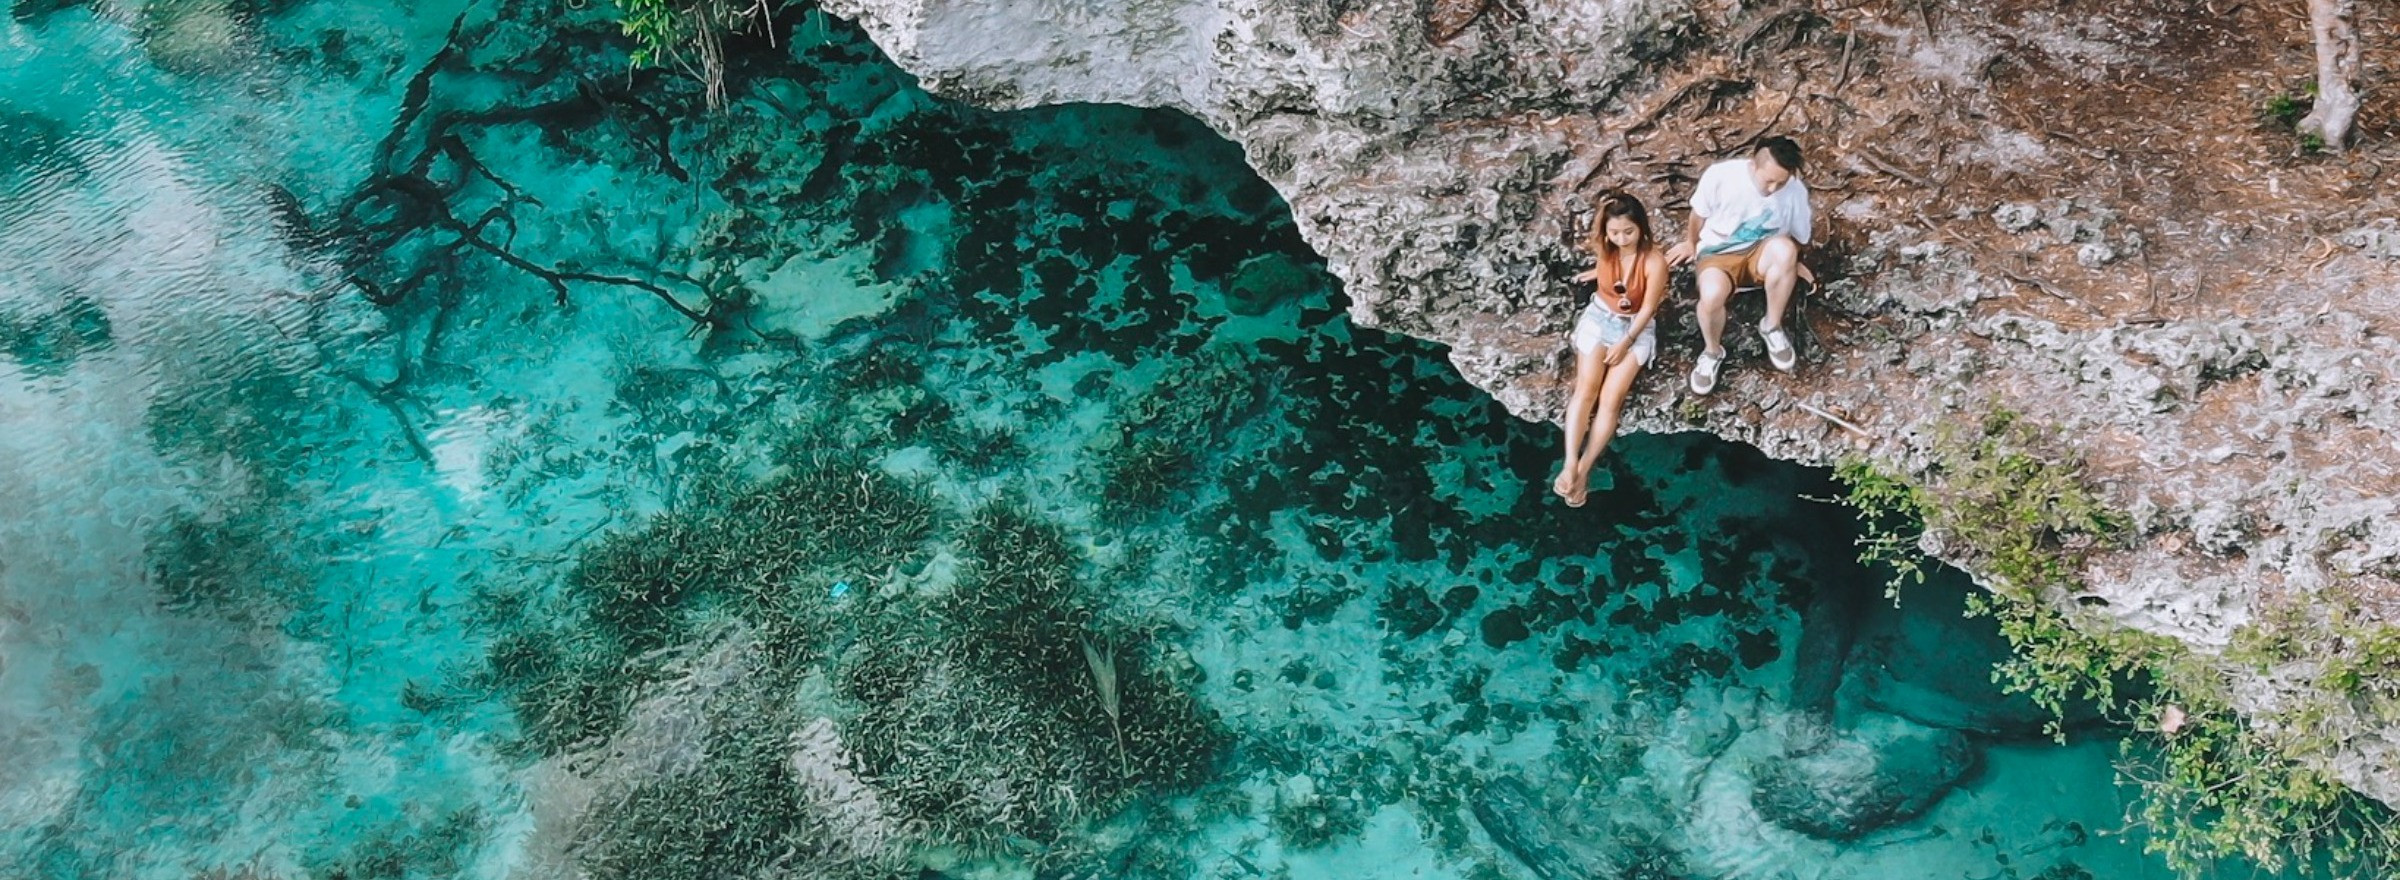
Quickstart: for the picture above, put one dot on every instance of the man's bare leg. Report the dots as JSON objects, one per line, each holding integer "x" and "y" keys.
{"x": 1716, "y": 288}
{"x": 1779, "y": 265}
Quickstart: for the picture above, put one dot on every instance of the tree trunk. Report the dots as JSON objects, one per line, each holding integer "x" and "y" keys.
{"x": 2333, "y": 24}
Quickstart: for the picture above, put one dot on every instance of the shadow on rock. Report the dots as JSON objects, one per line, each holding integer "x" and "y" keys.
{"x": 1928, "y": 662}
{"x": 1842, "y": 785}
{"x": 1552, "y": 849}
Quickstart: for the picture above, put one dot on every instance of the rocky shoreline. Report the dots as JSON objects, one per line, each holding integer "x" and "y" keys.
{"x": 2223, "y": 375}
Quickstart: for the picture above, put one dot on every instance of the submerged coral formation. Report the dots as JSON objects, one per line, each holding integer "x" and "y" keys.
{"x": 964, "y": 713}
{"x": 1160, "y": 435}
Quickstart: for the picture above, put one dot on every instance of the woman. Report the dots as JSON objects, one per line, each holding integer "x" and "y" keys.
{"x": 1613, "y": 339}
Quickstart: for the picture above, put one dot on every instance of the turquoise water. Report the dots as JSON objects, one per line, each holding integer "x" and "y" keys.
{"x": 911, "y": 419}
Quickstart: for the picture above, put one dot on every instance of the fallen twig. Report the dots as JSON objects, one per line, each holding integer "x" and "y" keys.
{"x": 387, "y": 396}
{"x": 1893, "y": 170}
{"x": 1598, "y": 165}
{"x": 1102, "y": 660}
{"x": 1843, "y": 78}
{"x": 1448, "y": 19}
{"x": 1788, "y": 95}
{"x": 2048, "y": 288}
{"x": 2149, "y": 314}
{"x": 2317, "y": 262}
{"x": 1749, "y": 40}
{"x": 1719, "y": 89}
{"x": 1838, "y": 421}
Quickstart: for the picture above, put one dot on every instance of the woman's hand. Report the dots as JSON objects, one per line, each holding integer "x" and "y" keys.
{"x": 1592, "y": 274}
{"x": 1616, "y": 353}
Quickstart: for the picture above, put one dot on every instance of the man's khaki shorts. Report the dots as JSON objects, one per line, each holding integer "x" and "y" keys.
{"x": 1741, "y": 266}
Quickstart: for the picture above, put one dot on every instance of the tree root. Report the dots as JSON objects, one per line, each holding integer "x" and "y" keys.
{"x": 414, "y": 188}
{"x": 388, "y": 396}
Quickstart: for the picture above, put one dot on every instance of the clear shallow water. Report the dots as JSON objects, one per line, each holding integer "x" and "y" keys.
{"x": 276, "y": 494}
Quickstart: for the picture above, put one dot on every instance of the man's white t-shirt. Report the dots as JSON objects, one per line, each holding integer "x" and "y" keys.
{"x": 1737, "y": 215}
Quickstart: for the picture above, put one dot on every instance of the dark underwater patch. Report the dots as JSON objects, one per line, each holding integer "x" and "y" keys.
{"x": 48, "y": 341}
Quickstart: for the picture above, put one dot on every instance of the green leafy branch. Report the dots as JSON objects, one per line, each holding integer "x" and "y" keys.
{"x": 2214, "y": 785}
{"x": 688, "y": 33}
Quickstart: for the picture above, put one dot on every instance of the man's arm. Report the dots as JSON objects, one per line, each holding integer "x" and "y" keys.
{"x": 1685, "y": 250}
{"x": 1689, "y": 247}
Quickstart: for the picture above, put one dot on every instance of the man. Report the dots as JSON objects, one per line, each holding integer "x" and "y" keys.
{"x": 1749, "y": 219}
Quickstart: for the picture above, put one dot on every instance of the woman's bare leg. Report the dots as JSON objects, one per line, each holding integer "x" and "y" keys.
{"x": 1613, "y": 390}
{"x": 1589, "y": 368}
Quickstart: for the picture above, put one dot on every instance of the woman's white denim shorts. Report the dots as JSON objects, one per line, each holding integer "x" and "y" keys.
{"x": 1600, "y": 327}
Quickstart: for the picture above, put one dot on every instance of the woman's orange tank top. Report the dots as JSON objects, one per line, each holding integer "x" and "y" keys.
{"x": 1636, "y": 288}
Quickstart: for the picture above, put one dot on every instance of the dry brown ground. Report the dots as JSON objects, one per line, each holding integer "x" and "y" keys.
{"x": 2155, "y": 109}
{"x": 1941, "y": 110}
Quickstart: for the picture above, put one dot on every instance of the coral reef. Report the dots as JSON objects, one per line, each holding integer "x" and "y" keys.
{"x": 1153, "y": 448}
{"x": 1840, "y": 787}
{"x": 767, "y": 553}
{"x": 967, "y": 714}
{"x": 986, "y": 720}
{"x": 51, "y": 341}
{"x": 193, "y": 36}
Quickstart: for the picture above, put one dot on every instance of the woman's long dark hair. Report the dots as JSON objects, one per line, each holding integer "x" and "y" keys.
{"x": 1613, "y": 206}
{"x": 1633, "y": 287}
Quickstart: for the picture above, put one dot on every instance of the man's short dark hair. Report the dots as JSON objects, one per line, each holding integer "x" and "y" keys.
{"x": 1783, "y": 151}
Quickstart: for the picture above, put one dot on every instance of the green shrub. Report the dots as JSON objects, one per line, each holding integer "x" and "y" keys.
{"x": 2284, "y": 110}
{"x": 2214, "y": 785}
{"x": 688, "y": 33}
{"x": 1892, "y": 513}
{"x": 660, "y": 29}
{"x": 2020, "y": 519}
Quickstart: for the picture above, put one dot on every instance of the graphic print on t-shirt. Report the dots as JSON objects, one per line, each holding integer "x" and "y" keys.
{"x": 1754, "y": 229}
{"x": 1738, "y": 216}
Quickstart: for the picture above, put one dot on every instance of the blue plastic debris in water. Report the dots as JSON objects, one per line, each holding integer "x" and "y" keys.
{"x": 841, "y": 588}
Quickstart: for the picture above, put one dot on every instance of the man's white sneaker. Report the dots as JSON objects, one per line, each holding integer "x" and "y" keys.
{"x": 1779, "y": 349}
{"x": 1704, "y": 372}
